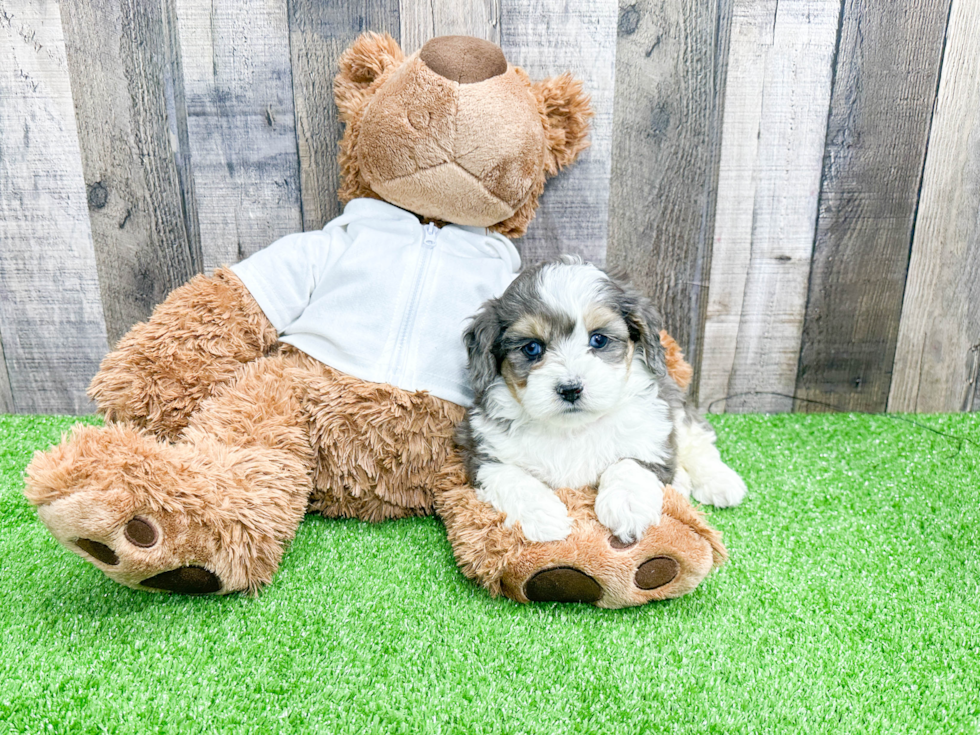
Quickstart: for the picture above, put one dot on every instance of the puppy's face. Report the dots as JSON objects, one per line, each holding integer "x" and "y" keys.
{"x": 562, "y": 341}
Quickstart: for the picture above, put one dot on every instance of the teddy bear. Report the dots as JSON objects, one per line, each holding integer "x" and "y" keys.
{"x": 326, "y": 373}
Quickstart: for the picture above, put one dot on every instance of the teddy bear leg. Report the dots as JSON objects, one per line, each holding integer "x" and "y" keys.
{"x": 197, "y": 339}
{"x": 591, "y": 565}
{"x": 211, "y": 513}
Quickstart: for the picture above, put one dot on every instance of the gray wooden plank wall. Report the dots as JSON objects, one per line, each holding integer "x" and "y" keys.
{"x": 872, "y": 170}
{"x": 937, "y": 351}
{"x": 240, "y": 124}
{"x": 318, "y": 34}
{"x": 547, "y": 37}
{"x": 767, "y": 206}
{"x": 671, "y": 60}
{"x": 51, "y": 319}
{"x": 128, "y": 93}
{"x": 6, "y": 397}
{"x": 771, "y": 174}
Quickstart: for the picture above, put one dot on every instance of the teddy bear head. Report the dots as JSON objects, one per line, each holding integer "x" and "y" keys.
{"x": 454, "y": 133}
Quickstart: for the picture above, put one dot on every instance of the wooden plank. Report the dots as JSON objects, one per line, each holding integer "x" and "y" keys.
{"x": 935, "y": 355}
{"x": 670, "y": 70}
{"x": 128, "y": 104}
{"x": 50, "y": 311}
{"x": 547, "y": 37}
{"x": 318, "y": 33}
{"x": 777, "y": 101}
{"x": 421, "y": 21}
{"x": 240, "y": 124}
{"x": 876, "y": 143}
{"x": 750, "y": 46}
{"x": 6, "y": 397}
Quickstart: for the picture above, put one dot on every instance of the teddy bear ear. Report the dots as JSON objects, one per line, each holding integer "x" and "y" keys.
{"x": 370, "y": 56}
{"x": 566, "y": 111}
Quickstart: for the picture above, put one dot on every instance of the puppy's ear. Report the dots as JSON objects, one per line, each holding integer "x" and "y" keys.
{"x": 482, "y": 347}
{"x": 370, "y": 56}
{"x": 644, "y": 324}
{"x": 565, "y": 112}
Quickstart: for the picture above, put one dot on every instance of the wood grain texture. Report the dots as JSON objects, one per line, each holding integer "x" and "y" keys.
{"x": 881, "y": 108}
{"x": 940, "y": 323}
{"x": 128, "y": 105}
{"x": 50, "y": 311}
{"x": 425, "y": 19}
{"x": 776, "y": 107}
{"x": 318, "y": 33}
{"x": 670, "y": 69}
{"x": 6, "y": 397}
{"x": 240, "y": 124}
{"x": 751, "y": 44}
{"x": 547, "y": 37}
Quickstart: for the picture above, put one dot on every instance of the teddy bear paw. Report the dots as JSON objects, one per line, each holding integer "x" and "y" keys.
{"x": 594, "y": 566}
{"x": 568, "y": 584}
{"x": 151, "y": 551}
{"x": 131, "y": 561}
{"x": 102, "y": 495}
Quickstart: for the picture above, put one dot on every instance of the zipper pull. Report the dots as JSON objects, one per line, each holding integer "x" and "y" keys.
{"x": 431, "y": 232}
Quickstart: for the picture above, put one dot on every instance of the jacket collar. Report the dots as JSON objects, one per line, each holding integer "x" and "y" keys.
{"x": 463, "y": 239}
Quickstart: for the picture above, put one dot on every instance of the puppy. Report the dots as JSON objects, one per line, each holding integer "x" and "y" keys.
{"x": 571, "y": 390}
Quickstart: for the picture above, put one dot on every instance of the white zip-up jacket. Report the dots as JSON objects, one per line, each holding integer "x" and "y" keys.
{"x": 377, "y": 295}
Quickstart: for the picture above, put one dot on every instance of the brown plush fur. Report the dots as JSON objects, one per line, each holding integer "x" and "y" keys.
{"x": 288, "y": 435}
{"x": 677, "y": 367}
{"x": 378, "y": 447}
{"x": 219, "y": 438}
{"x": 196, "y": 339}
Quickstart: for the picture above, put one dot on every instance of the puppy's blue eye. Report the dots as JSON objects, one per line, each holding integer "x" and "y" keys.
{"x": 598, "y": 341}
{"x": 532, "y": 349}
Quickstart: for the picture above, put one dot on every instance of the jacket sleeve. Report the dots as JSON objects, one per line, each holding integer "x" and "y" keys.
{"x": 283, "y": 276}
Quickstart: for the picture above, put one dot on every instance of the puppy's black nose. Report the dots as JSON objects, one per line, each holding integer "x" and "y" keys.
{"x": 570, "y": 392}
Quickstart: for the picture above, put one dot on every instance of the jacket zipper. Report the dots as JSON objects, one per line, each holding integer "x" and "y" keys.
{"x": 398, "y": 359}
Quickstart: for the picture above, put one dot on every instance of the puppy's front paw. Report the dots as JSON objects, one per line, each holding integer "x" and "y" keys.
{"x": 630, "y": 500}
{"x": 544, "y": 518}
{"x": 721, "y": 486}
{"x": 542, "y": 515}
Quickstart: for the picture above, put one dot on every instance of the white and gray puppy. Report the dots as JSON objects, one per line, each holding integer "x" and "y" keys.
{"x": 571, "y": 390}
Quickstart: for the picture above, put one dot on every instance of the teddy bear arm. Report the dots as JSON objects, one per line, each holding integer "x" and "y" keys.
{"x": 198, "y": 338}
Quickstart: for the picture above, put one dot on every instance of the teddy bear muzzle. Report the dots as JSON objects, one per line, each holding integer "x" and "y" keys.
{"x": 468, "y": 152}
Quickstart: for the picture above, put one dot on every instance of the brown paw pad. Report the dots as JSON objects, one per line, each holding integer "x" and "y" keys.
{"x": 140, "y": 533}
{"x": 562, "y": 584}
{"x": 185, "y": 581}
{"x": 100, "y": 551}
{"x": 656, "y": 572}
{"x": 615, "y": 543}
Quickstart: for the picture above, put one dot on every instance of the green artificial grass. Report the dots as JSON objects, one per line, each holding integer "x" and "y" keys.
{"x": 850, "y": 604}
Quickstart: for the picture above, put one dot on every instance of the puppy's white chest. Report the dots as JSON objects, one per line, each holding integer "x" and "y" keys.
{"x": 567, "y": 458}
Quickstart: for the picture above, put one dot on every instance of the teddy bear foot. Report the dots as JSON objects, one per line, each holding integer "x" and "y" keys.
{"x": 156, "y": 516}
{"x": 593, "y": 566}
{"x": 590, "y": 565}
{"x": 111, "y": 496}
{"x": 187, "y": 580}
